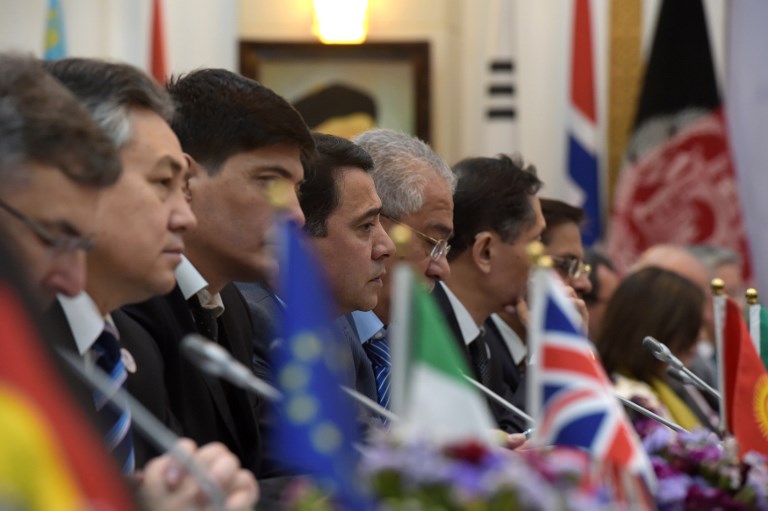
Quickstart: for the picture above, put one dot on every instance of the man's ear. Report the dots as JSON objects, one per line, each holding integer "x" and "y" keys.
{"x": 481, "y": 251}
{"x": 189, "y": 179}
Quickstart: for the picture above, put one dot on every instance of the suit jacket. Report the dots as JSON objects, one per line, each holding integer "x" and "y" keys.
{"x": 145, "y": 384}
{"x": 266, "y": 313}
{"x": 509, "y": 370}
{"x": 363, "y": 380}
{"x": 207, "y": 408}
{"x": 505, "y": 419}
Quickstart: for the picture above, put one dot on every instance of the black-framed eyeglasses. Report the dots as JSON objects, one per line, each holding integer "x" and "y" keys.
{"x": 570, "y": 266}
{"x": 440, "y": 248}
{"x": 59, "y": 243}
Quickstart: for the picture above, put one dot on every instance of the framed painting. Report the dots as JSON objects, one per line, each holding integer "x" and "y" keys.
{"x": 346, "y": 89}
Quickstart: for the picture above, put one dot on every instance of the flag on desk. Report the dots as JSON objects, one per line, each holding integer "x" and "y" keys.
{"x": 315, "y": 428}
{"x": 55, "y": 41}
{"x": 569, "y": 394}
{"x": 51, "y": 458}
{"x": 428, "y": 371}
{"x": 582, "y": 123}
{"x": 678, "y": 184}
{"x": 745, "y": 380}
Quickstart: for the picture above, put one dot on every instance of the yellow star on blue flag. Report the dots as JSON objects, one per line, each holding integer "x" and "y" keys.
{"x": 55, "y": 41}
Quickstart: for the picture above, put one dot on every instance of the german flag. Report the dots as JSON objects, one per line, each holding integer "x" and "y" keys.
{"x": 50, "y": 457}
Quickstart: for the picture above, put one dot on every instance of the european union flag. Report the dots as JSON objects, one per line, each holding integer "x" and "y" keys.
{"x": 316, "y": 430}
{"x": 55, "y": 43}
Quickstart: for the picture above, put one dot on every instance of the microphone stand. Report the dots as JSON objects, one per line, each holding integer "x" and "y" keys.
{"x": 152, "y": 429}
{"x": 662, "y": 352}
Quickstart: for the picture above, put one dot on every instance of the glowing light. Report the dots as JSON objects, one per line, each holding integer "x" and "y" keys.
{"x": 341, "y": 21}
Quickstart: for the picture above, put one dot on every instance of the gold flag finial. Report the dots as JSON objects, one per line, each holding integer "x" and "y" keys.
{"x": 718, "y": 286}
{"x": 535, "y": 250}
{"x": 279, "y": 193}
{"x": 751, "y": 295}
{"x": 401, "y": 237}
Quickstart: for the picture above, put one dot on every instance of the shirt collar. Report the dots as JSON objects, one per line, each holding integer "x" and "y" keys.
{"x": 515, "y": 345}
{"x": 191, "y": 283}
{"x": 367, "y": 324}
{"x": 84, "y": 320}
{"x": 189, "y": 279}
{"x": 467, "y": 325}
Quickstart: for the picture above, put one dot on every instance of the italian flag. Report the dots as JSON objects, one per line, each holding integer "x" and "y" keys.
{"x": 430, "y": 394}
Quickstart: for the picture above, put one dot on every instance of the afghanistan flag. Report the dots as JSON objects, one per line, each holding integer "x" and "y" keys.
{"x": 678, "y": 183}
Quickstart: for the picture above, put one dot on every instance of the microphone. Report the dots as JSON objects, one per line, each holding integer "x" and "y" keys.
{"x": 645, "y": 411}
{"x": 662, "y": 352}
{"x": 680, "y": 376}
{"x": 216, "y": 361}
{"x": 145, "y": 423}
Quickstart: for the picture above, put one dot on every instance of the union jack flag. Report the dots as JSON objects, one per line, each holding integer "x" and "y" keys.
{"x": 569, "y": 393}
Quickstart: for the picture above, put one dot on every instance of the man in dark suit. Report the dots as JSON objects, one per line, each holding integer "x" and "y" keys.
{"x": 136, "y": 259}
{"x": 342, "y": 210}
{"x": 496, "y": 215}
{"x": 562, "y": 241}
{"x": 241, "y": 139}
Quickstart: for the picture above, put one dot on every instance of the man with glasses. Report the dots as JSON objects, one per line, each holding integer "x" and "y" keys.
{"x": 497, "y": 214}
{"x": 54, "y": 163}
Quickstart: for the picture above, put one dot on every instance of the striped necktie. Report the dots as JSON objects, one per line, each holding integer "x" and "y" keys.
{"x": 116, "y": 422}
{"x": 377, "y": 349}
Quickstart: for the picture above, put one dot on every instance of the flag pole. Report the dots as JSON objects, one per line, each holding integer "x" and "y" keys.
{"x": 400, "y": 320}
{"x": 753, "y": 317}
{"x": 719, "y": 306}
{"x": 536, "y": 296}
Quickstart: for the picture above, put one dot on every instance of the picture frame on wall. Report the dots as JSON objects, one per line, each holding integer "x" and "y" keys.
{"x": 346, "y": 89}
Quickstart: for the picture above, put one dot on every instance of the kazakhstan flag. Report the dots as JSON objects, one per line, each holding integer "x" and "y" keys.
{"x": 55, "y": 42}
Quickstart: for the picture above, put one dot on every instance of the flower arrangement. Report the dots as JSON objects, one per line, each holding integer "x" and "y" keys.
{"x": 697, "y": 471}
{"x": 471, "y": 476}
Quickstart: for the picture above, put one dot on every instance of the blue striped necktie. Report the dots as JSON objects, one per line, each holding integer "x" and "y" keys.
{"x": 116, "y": 422}
{"x": 377, "y": 349}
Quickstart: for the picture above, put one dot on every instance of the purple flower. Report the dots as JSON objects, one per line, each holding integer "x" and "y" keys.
{"x": 672, "y": 489}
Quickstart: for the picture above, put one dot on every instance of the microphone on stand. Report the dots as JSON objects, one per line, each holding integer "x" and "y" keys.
{"x": 147, "y": 424}
{"x": 662, "y": 352}
{"x": 216, "y": 361}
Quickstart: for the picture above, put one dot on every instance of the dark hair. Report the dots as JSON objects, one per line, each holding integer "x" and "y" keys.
{"x": 220, "y": 113}
{"x": 42, "y": 122}
{"x": 595, "y": 260}
{"x": 651, "y": 302}
{"x": 491, "y": 194}
{"x": 558, "y": 213}
{"x": 319, "y": 193}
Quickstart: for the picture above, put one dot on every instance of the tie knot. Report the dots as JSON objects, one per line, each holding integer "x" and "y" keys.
{"x": 107, "y": 347}
{"x": 377, "y": 349}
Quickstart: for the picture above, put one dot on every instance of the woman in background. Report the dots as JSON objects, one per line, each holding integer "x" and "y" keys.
{"x": 667, "y": 307}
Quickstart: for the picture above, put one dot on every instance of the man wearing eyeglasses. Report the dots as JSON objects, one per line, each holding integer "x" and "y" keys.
{"x": 54, "y": 164}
